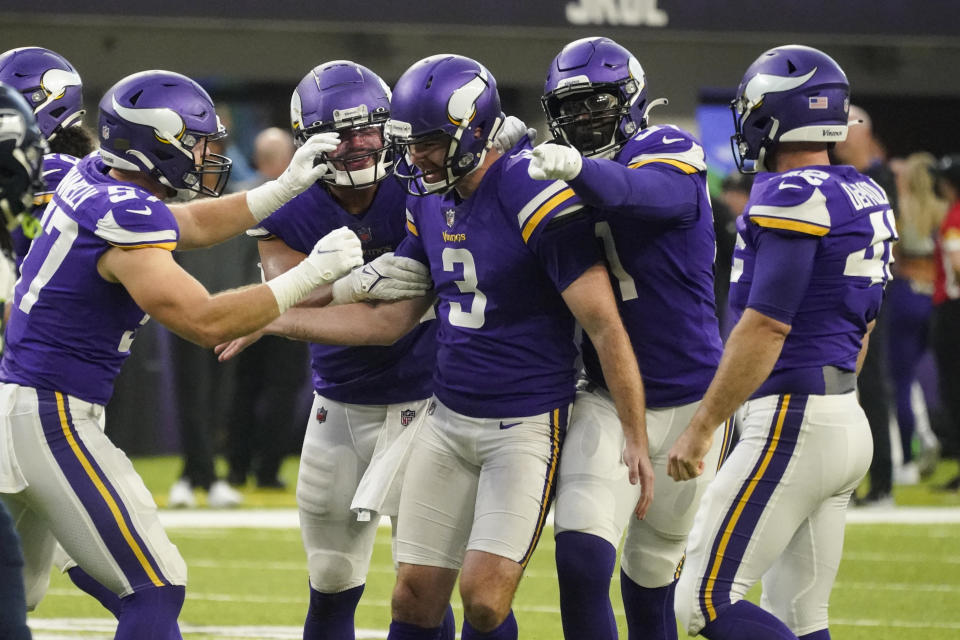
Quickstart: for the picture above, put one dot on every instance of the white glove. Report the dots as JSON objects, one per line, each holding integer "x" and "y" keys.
{"x": 388, "y": 277}
{"x": 551, "y": 161}
{"x": 334, "y": 255}
{"x": 511, "y": 132}
{"x": 298, "y": 176}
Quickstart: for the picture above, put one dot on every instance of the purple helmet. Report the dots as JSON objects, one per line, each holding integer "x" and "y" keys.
{"x": 789, "y": 94}
{"x": 151, "y": 121}
{"x": 595, "y": 96}
{"x": 350, "y": 99}
{"x": 50, "y": 85}
{"x": 444, "y": 95}
{"x": 22, "y": 146}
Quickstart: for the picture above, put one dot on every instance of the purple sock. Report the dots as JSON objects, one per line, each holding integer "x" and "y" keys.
{"x": 330, "y": 615}
{"x": 823, "y": 634}
{"x": 585, "y": 564}
{"x": 405, "y": 631}
{"x": 87, "y": 584}
{"x": 448, "y": 629}
{"x": 150, "y": 614}
{"x": 506, "y": 631}
{"x": 649, "y": 611}
{"x": 746, "y": 621}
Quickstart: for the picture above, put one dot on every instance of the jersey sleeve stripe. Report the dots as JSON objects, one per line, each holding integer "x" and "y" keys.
{"x": 683, "y": 166}
{"x": 534, "y": 204}
{"x": 412, "y": 228}
{"x": 169, "y": 246}
{"x": 790, "y": 225}
{"x": 545, "y": 209}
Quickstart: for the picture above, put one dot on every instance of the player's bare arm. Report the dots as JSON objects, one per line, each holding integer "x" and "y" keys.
{"x": 590, "y": 299}
{"x": 206, "y": 222}
{"x": 864, "y": 346}
{"x": 751, "y": 352}
{"x": 352, "y": 324}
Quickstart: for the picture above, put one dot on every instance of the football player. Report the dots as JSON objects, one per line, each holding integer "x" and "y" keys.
{"x": 52, "y": 87}
{"x": 21, "y": 151}
{"x": 812, "y": 258}
{"x": 648, "y": 187}
{"x": 511, "y": 275}
{"x": 100, "y": 268}
{"x": 364, "y": 396}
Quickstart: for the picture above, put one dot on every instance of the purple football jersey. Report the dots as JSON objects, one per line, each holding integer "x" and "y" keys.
{"x": 505, "y": 342}
{"x": 70, "y": 330}
{"x": 852, "y": 218}
{"x": 55, "y": 167}
{"x": 661, "y": 264}
{"x": 368, "y": 374}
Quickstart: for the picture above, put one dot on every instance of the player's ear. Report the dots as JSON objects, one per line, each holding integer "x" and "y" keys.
{"x": 477, "y": 133}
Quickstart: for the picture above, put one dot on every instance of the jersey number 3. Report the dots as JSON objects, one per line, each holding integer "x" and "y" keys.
{"x": 472, "y": 319}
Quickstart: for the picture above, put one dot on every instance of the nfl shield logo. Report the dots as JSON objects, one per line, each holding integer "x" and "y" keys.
{"x": 450, "y": 215}
{"x": 363, "y": 233}
{"x": 322, "y": 414}
{"x": 407, "y": 416}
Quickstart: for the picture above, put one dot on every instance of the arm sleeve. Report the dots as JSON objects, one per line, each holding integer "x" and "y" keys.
{"x": 656, "y": 191}
{"x": 781, "y": 274}
{"x": 567, "y": 248}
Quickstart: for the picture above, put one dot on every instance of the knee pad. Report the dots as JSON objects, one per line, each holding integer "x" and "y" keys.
{"x": 327, "y": 481}
{"x": 338, "y": 551}
{"x": 650, "y": 557}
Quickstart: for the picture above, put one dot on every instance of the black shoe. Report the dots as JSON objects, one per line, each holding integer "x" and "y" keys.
{"x": 272, "y": 483}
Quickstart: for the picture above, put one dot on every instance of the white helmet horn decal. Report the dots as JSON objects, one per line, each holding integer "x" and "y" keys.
{"x": 462, "y": 105}
{"x": 764, "y": 83}
{"x": 166, "y": 122}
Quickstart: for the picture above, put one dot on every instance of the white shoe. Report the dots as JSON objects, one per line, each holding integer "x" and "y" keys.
{"x": 907, "y": 474}
{"x": 223, "y": 496}
{"x": 181, "y": 495}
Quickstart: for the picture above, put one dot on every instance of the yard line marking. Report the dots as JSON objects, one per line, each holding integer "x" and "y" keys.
{"x": 899, "y": 586}
{"x": 43, "y": 626}
{"x": 870, "y": 556}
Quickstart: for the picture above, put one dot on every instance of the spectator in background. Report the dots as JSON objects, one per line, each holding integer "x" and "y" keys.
{"x": 946, "y": 301}
{"x": 735, "y": 191}
{"x": 909, "y": 306}
{"x": 270, "y": 375}
{"x": 864, "y": 153}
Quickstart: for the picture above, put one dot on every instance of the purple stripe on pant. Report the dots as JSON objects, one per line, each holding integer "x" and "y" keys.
{"x": 738, "y": 527}
{"x": 102, "y": 503}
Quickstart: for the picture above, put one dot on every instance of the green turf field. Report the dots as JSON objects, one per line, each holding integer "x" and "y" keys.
{"x": 896, "y": 581}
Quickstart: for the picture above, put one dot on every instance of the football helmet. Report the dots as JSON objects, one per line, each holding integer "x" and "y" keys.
{"x": 789, "y": 94}
{"x": 595, "y": 96}
{"x": 449, "y": 100}
{"x": 350, "y": 99}
{"x": 152, "y": 121}
{"x": 50, "y": 85}
{"x": 22, "y": 146}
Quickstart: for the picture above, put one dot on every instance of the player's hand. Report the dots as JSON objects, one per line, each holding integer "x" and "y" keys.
{"x": 303, "y": 171}
{"x": 640, "y": 470}
{"x": 227, "y": 350}
{"x": 685, "y": 459}
{"x": 335, "y": 254}
{"x": 511, "y": 132}
{"x": 388, "y": 277}
{"x": 298, "y": 176}
{"x": 550, "y": 161}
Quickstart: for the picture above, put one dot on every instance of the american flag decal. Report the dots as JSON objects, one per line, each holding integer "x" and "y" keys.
{"x": 818, "y": 102}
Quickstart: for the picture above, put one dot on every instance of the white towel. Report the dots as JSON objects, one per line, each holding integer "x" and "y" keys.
{"x": 379, "y": 489}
